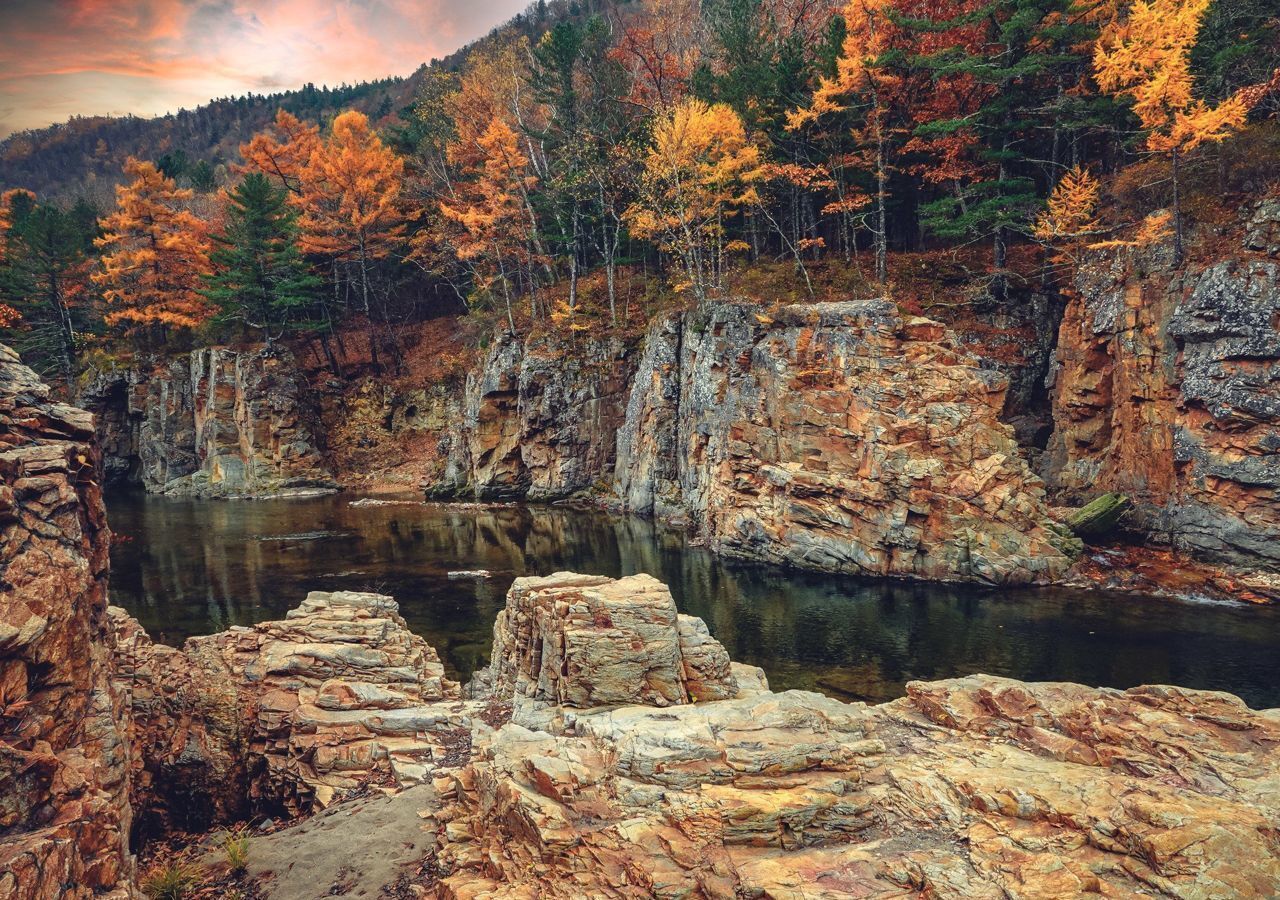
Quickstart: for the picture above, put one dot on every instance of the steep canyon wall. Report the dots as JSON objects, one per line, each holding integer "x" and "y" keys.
{"x": 65, "y": 814}
{"x": 1166, "y": 388}
{"x": 212, "y": 423}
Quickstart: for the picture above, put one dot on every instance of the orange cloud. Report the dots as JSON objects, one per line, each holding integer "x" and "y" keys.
{"x": 147, "y": 57}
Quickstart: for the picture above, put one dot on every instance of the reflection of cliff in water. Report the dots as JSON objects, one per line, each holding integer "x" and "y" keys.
{"x": 192, "y": 567}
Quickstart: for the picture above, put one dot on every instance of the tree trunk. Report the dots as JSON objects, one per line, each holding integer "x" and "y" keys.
{"x": 1177, "y": 211}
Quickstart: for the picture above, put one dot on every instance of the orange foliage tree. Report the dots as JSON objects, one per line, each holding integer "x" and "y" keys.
{"x": 353, "y": 212}
{"x": 860, "y": 78}
{"x": 493, "y": 235}
{"x": 154, "y": 252}
{"x": 698, "y": 172}
{"x": 494, "y": 88}
{"x": 283, "y": 152}
{"x": 1146, "y": 56}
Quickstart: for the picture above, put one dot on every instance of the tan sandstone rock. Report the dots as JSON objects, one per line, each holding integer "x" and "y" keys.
{"x": 978, "y": 787}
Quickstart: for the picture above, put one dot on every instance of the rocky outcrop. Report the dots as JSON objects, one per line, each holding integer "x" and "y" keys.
{"x": 286, "y": 714}
{"x": 64, "y": 810}
{"x": 1167, "y": 390}
{"x": 976, "y": 787}
{"x": 586, "y": 640}
{"x": 539, "y": 420}
{"x": 838, "y": 436}
{"x": 215, "y": 423}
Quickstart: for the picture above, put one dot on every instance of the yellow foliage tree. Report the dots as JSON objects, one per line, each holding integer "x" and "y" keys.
{"x": 1146, "y": 56}
{"x": 154, "y": 252}
{"x": 700, "y": 170}
{"x": 1071, "y": 211}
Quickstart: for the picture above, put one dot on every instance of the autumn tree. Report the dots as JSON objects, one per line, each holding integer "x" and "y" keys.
{"x": 659, "y": 45}
{"x": 581, "y": 88}
{"x": 352, "y": 210}
{"x": 488, "y": 211}
{"x": 1071, "y": 210}
{"x": 45, "y": 260}
{"x": 1146, "y": 56}
{"x": 862, "y": 78}
{"x": 259, "y": 277}
{"x": 283, "y": 151}
{"x": 154, "y": 253}
{"x": 698, "y": 172}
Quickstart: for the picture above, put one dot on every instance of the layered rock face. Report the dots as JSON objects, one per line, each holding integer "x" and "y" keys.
{"x": 1167, "y": 389}
{"x": 284, "y": 714}
{"x": 64, "y": 775}
{"x": 977, "y": 787}
{"x": 586, "y": 640}
{"x": 214, "y": 423}
{"x": 539, "y": 420}
{"x": 836, "y": 436}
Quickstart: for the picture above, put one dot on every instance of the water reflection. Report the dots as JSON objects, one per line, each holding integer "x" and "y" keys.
{"x": 191, "y": 567}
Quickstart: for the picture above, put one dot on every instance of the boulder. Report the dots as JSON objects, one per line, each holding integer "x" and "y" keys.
{"x": 586, "y": 640}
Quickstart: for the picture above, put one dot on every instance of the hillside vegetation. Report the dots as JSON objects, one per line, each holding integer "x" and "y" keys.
{"x": 587, "y": 158}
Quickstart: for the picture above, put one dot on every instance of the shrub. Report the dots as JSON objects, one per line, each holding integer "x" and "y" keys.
{"x": 172, "y": 880}
{"x": 236, "y": 845}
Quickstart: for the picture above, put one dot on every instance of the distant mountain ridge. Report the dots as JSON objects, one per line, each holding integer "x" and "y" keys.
{"x": 83, "y": 156}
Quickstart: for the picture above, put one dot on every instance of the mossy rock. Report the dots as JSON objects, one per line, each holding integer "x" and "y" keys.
{"x": 1064, "y": 541}
{"x": 1099, "y": 517}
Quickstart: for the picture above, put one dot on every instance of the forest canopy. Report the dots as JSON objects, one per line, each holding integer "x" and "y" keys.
{"x": 688, "y": 141}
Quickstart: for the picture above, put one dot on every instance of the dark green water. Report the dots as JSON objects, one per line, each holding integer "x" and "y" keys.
{"x": 191, "y": 567}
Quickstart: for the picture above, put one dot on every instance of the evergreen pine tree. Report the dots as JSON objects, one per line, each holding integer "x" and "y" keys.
{"x": 260, "y": 277}
{"x": 45, "y": 256}
{"x": 1011, "y": 58}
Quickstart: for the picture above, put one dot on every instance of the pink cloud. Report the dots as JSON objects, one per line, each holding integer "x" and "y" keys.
{"x": 153, "y": 56}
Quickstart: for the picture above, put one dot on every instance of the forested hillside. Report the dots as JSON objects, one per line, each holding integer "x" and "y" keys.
{"x": 536, "y": 174}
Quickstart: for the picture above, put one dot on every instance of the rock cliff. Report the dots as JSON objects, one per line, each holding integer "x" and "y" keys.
{"x": 1167, "y": 389}
{"x": 214, "y": 423}
{"x": 64, "y": 773}
{"x": 539, "y": 420}
{"x": 838, "y": 436}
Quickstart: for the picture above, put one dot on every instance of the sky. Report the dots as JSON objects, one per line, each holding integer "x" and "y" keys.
{"x": 60, "y": 58}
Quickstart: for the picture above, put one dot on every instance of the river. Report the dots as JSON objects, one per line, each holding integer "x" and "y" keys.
{"x": 186, "y": 567}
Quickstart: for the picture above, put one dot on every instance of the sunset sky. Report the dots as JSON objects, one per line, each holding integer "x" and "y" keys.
{"x": 64, "y": 57}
